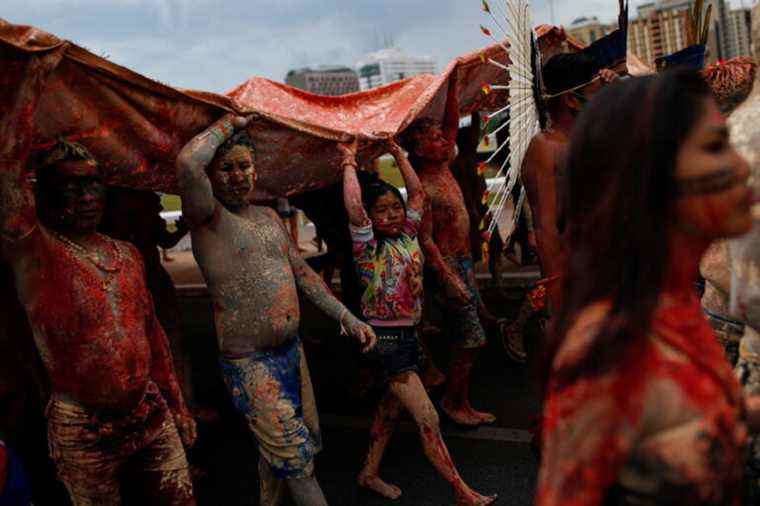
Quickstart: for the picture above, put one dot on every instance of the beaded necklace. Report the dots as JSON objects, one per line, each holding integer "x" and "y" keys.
{"x": 95, "y": 259}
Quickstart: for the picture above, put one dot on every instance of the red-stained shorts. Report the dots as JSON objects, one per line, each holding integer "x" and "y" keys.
{"x": 102, "y": 459}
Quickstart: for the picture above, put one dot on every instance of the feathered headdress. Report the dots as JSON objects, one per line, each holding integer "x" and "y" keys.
{"x": 694, "y": 54}
{"x": 527, "y": 101}
{"x": 611, "y": 50}
{"x": 523, "y": 85}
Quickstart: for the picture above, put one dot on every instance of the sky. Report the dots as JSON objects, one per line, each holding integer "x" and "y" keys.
{"x": 214, "y": 45}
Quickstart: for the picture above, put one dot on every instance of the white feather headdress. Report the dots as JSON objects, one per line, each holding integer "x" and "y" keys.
{"x": 514, "y": 20}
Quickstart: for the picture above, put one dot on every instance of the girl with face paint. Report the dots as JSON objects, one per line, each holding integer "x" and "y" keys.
{"x": 389, "y": 263}
{"x": 640, "y": 403}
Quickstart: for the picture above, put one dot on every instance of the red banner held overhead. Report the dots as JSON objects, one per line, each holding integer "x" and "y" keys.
{"x": 135, "y": 126}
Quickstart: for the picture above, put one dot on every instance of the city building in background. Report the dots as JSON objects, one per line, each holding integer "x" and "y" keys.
{"x": 662, "y": 27}
{"x": 740, "y": 32}
{"x": 324, "y": 80}
{"x": 588, "y": 30}
{"x": 389, "y": 65}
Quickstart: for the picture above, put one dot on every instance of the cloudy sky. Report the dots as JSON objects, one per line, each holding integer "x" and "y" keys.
{"x": 216, "y": 44}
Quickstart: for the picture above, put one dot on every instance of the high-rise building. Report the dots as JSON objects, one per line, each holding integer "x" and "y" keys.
{"x": 663, "y": 27}
{"x": 389, "y": 65}
{"x": 324, "y": 80}
{"x": 588, "y": 30}
{"x": 739, "y": 33}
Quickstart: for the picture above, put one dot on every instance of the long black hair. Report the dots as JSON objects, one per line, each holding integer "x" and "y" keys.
{"x": 620, "y": 194}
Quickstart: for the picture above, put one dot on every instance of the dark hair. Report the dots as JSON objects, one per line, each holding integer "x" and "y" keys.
{"x": 43, "y": 162}
{"x": 372, "y": 191}
{"x": 618, "y": 212}
{"x": 565, "y": 71}
{"x": 240, "y": 138}
{"x": 409, "y": 139}
{"x": 45, "y": 158}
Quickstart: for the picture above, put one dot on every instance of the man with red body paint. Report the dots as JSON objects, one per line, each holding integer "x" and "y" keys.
{"x": 445, "y": 240}
{"x": 116, "y": 414}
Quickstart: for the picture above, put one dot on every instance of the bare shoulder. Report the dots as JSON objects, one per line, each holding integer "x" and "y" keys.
{"x": 540, "y": 154}
{"x": 581, "y": 335}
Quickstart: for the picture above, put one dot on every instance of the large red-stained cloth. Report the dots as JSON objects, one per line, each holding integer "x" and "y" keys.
{"x": 135, "y": 126}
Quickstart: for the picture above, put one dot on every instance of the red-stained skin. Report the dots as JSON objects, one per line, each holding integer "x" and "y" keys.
{"x": 707, "y": 390}
{"x": 96, "y": 330}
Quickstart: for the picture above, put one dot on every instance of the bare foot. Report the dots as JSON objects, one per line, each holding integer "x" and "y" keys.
{"x": 384, "y": 489}
{"x": 485, "y": 418}
{"x": 463, "y": 417}
{"x": 472, "y": 498}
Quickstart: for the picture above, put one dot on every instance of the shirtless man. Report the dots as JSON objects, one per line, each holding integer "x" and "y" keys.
{"x": 445, "y": 240}
{"x": 116, "y": 413}
{"x": 254, "y": 274}
{"x": 570, "y": 80}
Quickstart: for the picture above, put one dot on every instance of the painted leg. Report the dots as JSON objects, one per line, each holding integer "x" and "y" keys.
{"x": 411, "y": 393}
{"x": 456, "y": 402}
{"x": 380, "y": 433}
{"x": 272, "y": 489}
{"x": 432, "y": 376}
{"x": 306, "y": 492}
{"x": 452, "y": 402}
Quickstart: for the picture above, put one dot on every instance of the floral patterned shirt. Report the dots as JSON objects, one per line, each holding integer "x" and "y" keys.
{"x": 663, "y": 428}
{"x": 390, "y": 269}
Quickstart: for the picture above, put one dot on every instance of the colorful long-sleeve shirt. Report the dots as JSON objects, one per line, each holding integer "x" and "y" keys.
{"x": 390, "y": 269}
{"x": 664, "y": 427}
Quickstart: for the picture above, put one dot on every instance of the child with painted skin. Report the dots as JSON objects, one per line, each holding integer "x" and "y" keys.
{"x": 389, "y": 262}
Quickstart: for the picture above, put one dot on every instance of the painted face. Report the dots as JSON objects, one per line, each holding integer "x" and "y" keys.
{"x": 711, "y": 177}
{"x": 233, "y": 176}
{"x": 433, "y": 146}
{"x": 78, "y": 197}
{"x": 388, "y": 215}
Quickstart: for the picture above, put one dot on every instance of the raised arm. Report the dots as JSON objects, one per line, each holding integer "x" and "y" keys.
{"x": 23, "y": 81}
{"x": 415, "y": 195}
{"x": 451, "y": 114}
{"x": 352, "y": 192}
{"x": 198, "y": 200}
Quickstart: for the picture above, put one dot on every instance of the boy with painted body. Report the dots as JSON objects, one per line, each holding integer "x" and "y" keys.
{"x": 254, "y": 274}
{"x": 445, "y": 240}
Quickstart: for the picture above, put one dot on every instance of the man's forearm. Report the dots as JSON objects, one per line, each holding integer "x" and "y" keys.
{"x": 200, "y": 151}
{"x": 311, "y": 285}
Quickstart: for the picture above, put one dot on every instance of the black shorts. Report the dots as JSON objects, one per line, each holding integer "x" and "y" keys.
{"x": 397, "y": 351}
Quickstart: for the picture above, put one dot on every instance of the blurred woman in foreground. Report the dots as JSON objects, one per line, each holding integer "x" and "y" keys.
{"x": 641, "y": 405}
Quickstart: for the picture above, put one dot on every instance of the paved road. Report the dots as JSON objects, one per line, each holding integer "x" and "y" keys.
{"x": 492, "y": 460}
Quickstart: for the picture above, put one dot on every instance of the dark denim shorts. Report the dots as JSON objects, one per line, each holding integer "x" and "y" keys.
{"x": 397, "y": 351}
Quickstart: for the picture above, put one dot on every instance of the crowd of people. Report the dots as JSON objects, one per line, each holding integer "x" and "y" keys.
{"x": 635, "y": 192}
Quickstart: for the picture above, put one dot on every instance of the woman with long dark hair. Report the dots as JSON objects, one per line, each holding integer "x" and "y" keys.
{"x": 641, "y": 406}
